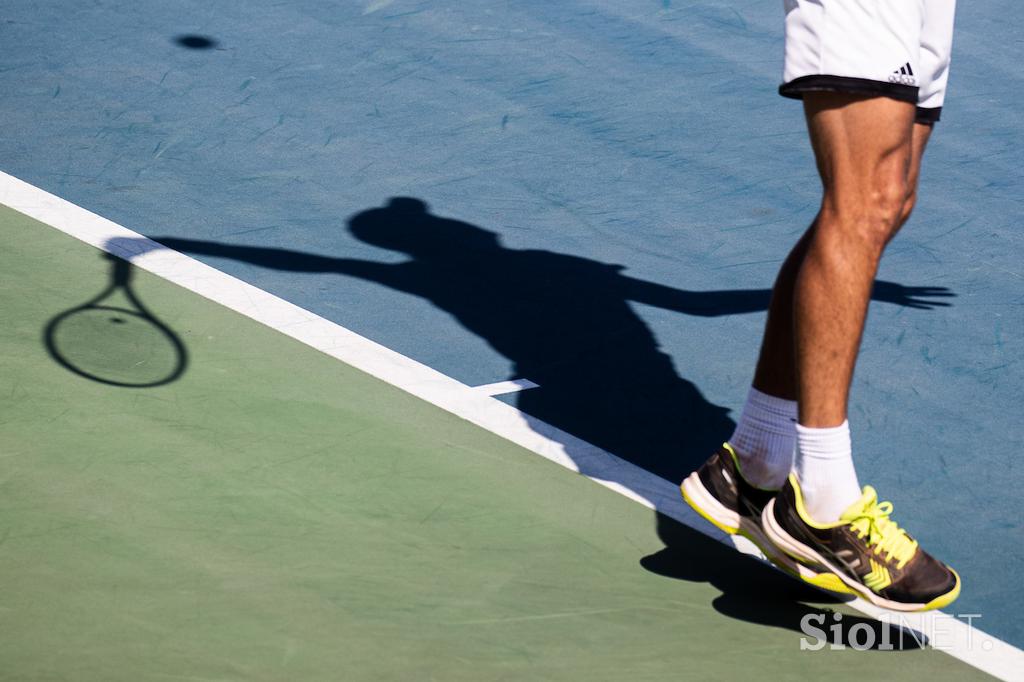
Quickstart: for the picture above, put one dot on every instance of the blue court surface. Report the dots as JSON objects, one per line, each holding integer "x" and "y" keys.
{"x": 592, "y": 195}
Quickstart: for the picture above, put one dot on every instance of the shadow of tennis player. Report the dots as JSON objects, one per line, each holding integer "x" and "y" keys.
{"x": 565, "y": 323}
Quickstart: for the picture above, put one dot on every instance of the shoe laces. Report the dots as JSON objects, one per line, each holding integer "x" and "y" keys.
{"x": 870, "y": 520}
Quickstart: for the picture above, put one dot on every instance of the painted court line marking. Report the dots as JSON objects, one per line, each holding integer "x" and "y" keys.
{"x": 505, "y": 387}
{"x": 972, "y": 646}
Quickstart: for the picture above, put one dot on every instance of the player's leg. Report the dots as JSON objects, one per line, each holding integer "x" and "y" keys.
{"x": 824, "y": 462}
{"x": 868, "y": 152}
{"x": 858, "y": 542}
{"x": 921, "y": 134}
{"x": 863, "y": 148}
{"x": 865, "y": 195}
{"x": 849, "y": 49}
{"x": 765, "y": 438}
{"x": 862, "y": 545}
{"x": 875, "y": 174}
{"x": 839, "y": 47}
{"x": 760, "y": 452}
{"x": 775, "y": 373}
{"x": 864, "y": 48}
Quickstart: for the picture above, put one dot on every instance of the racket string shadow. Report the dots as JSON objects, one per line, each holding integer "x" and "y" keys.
{"x": 114, "y": 339}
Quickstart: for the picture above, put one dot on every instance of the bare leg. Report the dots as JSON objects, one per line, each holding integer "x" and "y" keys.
{"x": 776, "y": 366}
{"x": 863, "y": 148}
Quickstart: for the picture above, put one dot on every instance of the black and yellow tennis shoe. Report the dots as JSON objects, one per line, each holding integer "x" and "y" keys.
{"x": 718, "y": 492}
{"x": 872, "y": 555}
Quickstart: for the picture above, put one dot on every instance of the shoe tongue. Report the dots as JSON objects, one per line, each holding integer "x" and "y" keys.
{"x": 867, "y": 498}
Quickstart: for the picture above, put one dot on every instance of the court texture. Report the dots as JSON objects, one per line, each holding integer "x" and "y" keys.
{"x": 370, "y": 340}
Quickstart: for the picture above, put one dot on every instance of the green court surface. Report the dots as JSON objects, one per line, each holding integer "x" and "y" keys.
{"x": 274, "y": 514}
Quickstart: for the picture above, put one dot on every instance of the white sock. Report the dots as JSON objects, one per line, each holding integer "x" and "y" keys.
{"x": 824, "y": 467}
{"x": 764, "y": 439}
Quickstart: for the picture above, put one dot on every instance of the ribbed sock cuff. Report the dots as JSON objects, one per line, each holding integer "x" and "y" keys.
{"x": 764, "y": 439}
{"x": 824, "y": 467}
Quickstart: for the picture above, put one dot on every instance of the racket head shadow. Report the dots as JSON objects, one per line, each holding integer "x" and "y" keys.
{"x": 116, "y": 344}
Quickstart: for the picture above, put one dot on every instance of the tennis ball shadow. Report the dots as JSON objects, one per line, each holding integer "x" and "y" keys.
{"x": 196, "y": 42}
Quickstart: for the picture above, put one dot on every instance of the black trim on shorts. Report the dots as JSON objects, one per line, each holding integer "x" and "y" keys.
{"x": 796, "y": 88}
{"x": 928, "y": 115}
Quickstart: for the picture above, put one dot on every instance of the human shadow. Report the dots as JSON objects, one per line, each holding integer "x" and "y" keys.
{"x": 565, "y": 323}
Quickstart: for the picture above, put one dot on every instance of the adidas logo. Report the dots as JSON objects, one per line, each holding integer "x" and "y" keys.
{"x": 903, "y": 75}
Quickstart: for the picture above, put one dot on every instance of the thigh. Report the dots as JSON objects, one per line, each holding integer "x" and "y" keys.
{"x": 863, "y": 146}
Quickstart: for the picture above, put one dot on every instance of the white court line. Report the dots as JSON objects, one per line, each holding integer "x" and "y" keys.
{"x": 972, "y": 646}
{"x": 505, "y": 387}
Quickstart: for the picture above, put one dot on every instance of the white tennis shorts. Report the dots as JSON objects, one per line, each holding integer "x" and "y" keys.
{"x": 892, "y": 48}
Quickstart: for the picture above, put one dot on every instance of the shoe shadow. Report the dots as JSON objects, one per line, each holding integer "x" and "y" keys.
{"x": 567, "y": 324}
{"x": 755, "y": 592}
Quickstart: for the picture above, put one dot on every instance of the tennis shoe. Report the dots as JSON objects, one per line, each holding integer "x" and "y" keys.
{"x": 869, "y": 552}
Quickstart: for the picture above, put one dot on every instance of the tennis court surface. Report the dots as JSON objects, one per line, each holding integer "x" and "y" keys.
{"x": 371, "y": 340}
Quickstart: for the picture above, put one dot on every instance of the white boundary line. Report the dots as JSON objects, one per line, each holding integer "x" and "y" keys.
{"x": 972, "y": 646}
{"x": 505, "y": 387}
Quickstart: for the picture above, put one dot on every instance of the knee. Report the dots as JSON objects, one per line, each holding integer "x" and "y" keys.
{"x": 890, "y": 204}
{"x": 872, "y": 218}
{"x": 899, "y": 206}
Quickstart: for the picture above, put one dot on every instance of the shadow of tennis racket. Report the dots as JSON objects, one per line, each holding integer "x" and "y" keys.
{"x": 114, "y": 339}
